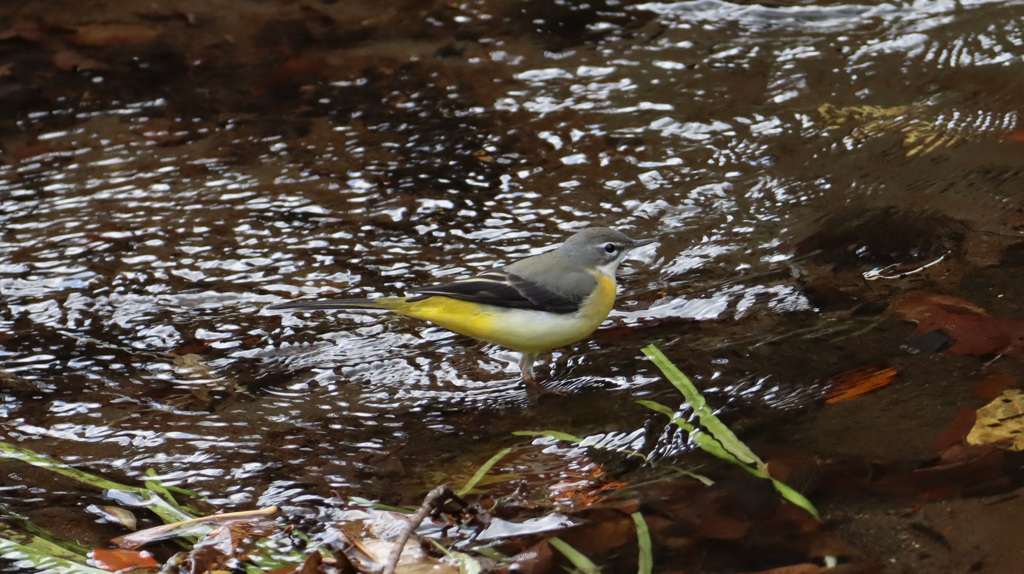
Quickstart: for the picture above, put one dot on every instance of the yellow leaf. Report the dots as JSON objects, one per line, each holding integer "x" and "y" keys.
{"x": 1001, "y": 422}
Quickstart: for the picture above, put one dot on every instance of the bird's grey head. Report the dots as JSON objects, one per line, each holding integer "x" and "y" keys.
{"x": 600, "y": 247}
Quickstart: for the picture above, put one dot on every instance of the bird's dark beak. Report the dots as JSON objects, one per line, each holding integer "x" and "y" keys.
{"x": 642, "y": 242}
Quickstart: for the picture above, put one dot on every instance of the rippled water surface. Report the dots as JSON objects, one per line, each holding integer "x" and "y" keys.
{"x": 153, "y": 202}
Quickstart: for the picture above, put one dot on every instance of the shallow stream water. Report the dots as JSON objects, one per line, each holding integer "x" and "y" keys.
{"x": 801, "y": 164}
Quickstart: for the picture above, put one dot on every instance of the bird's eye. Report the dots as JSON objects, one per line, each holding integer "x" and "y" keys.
{"x": 610, "y": 248}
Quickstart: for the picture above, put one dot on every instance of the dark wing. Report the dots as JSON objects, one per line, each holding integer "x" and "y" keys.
{"x": 503, "y": 289}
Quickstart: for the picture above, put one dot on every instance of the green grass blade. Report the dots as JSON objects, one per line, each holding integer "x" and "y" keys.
{"x": 14, "y": 525}
{"x": 557, "y": 435}
{"x": 166, "y": 509}
{"x": 700, "y": 407}
{"x": 643, "y": 539}
{"x": 719, "y": 440}
{"x": 157, "y": 497}
{"x": 8, "y": 450}
{"x": 491, "y": 553}
{"x": 44, "y": 556}
{"x": 40, "y": 544}
{"x": 658, "y": 408}
{"x": 786, "y": 491}
{"x": 482, "y": 471}
{"x": 156, "y": 485}
{"x": 791, "y": 494}
{"x": 581, "y": 562}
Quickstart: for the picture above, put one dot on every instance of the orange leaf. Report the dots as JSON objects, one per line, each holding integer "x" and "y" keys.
{"x": 855, "y": 383}
{"x": 117, "y": 559}
{"x": 1015, "y": 135}
{"x": 112, "y": 34}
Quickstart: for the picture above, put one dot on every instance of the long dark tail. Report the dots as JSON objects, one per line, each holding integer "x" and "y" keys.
{"x": 383, "y": 303}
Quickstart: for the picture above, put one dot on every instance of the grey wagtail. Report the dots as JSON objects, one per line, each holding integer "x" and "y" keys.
{"x": 533, "y": 305}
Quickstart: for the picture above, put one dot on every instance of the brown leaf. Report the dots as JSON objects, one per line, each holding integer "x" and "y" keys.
{"x": 992, "y": 386}
{"x": 855, "y": 383}
{"x": 974, "y": 332}
{"x": 70, "y": 61}
{"x": 112, "y": 34}
{"x": 720, "y": 527}
{"x": 606, "y": 530}
{"x": 964, "y": 470}
{"x": 311, "y": 565}
{"x": 29, "y": 31}
{"x": 796, "y": 470}
{"x": 957, "y": 431}
{"x": 294, "y": 70}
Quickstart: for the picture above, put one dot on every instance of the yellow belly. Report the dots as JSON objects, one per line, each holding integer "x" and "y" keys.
{"x": 518, "y": 329}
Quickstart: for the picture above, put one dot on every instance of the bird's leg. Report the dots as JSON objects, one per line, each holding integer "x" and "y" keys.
{"x": 526, "y": 367}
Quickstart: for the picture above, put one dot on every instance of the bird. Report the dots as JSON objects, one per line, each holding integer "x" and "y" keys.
{"x": 532, "y": 306}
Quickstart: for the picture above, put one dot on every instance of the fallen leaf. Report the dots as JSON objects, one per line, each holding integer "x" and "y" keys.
{"x": 29, "y": 31}
{"x": 965, "y": 470}
{"x": 992, "y": 386}
{"x": 605, "y": 531}
{"x": 112, "y": 34}
{"x": 1015, "y": 135}
{"x": 115, "y": 515}
{"x": 70, "y": 61}
{"x": 119, "y": 559}
{"x": 1001, "y": 422}
{"x": 859, "y": 381}
{"x": 974, "y": 331}
{"x": 311, "y": 565}
{"x": 294, "y": 70}
{"x": 188, "y": 527}
{"x": 957, "y": 431}
{"x": 368, "y": 551}
{"x": 719, "y": 527}
{"x": 923, "y": 130}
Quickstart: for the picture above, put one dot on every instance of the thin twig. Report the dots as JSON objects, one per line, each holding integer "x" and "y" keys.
{"x": 431, "y": 502}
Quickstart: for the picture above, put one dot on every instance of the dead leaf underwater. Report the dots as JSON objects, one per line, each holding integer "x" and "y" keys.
{"x": 972, "y": 330}
{"x": 1001, "y": 422}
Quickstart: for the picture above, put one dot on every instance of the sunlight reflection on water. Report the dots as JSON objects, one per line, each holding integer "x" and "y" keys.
{"x": 134, "y": 268}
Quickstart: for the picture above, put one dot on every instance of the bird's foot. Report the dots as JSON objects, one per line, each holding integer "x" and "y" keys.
{"x": 532, "y": 386}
